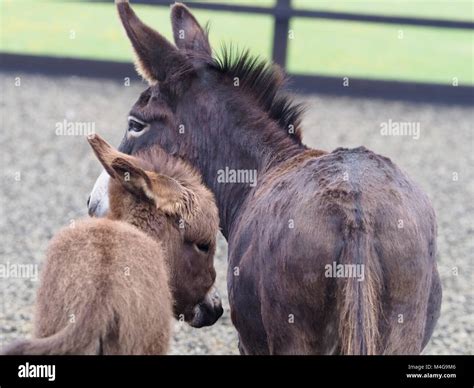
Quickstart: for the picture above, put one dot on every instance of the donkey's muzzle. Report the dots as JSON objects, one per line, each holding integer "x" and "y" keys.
{"x": 208, "y": 311}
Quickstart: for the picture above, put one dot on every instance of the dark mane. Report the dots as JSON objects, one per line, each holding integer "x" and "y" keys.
{"x": 265, "y": 82}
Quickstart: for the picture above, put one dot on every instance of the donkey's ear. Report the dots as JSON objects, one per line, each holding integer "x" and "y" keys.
{"x": 188, "y": 34}
{"x": 134, "y": 179}
{"x": 157, "y": 59}
{"x": 173, "y": 198}
{"x": 104, "y": 152}
{"x": 165, "y": 192}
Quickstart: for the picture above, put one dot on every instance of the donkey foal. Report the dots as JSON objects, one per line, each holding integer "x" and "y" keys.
{"x": 112, "y": 285}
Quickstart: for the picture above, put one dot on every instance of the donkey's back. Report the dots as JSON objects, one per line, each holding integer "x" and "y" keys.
{"x": 348, "y": 266}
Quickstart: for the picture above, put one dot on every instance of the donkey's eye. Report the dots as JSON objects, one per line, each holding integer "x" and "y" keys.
{"x": 202, "y": 247}
{"x": 136, "y": 127}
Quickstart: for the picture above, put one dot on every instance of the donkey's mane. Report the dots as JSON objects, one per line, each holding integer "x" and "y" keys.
{"x": 265, "y": 82}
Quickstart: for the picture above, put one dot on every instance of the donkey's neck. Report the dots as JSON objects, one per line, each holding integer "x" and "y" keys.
{"x": 238, "y": 159}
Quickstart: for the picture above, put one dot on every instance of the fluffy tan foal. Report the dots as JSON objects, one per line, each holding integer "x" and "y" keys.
{"x": 112, "y": 285}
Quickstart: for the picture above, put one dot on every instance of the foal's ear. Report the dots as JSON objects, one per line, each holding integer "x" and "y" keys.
{"x": 165, "y": 192}
{"x": 118, "y": 165}
{"x": 156, "y": 58}
{"x": 134, "y": 179}
{"x": 174, "y": 198}
{"x": 104, "y": 152}
{"x": 188, "y": 34}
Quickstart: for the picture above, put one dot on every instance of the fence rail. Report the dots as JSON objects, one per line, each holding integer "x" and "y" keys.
{"x": 357, "y": 87}
{"x": 282, "y": 13}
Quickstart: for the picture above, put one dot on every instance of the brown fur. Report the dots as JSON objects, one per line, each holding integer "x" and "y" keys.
{"x": 345, "y": 207}
{"x": 112, "y": 286}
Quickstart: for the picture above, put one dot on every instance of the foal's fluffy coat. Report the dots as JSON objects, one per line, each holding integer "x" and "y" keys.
{"x": 112, "y": 287}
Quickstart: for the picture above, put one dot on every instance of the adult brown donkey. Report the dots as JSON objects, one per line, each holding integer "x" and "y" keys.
{"x": 329, "y": 253}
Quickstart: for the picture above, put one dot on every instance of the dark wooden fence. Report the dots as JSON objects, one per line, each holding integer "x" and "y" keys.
{"x": 282, "y": 13}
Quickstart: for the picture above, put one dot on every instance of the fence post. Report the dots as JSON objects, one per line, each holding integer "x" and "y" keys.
{"x": 280, "y": 31}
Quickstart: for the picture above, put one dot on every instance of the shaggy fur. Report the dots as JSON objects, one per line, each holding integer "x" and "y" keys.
{"x": 112, "y": 286}
{"x": 308, "y": 210}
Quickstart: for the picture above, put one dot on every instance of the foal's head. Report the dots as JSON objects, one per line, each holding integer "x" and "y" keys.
{"x": 166, "y": 199}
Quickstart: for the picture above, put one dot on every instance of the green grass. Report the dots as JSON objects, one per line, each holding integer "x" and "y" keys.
{"x": 46, "y": 28}
{"x": 92, "y": 30}
{"x": 376, "y": 51}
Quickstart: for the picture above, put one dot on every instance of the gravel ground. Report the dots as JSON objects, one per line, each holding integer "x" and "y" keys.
{"x": 47, "y": 179}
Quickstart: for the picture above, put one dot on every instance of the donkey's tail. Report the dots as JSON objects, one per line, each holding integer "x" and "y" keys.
{"x": 359, "y": 296}
{"x": 81, "y": 337}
